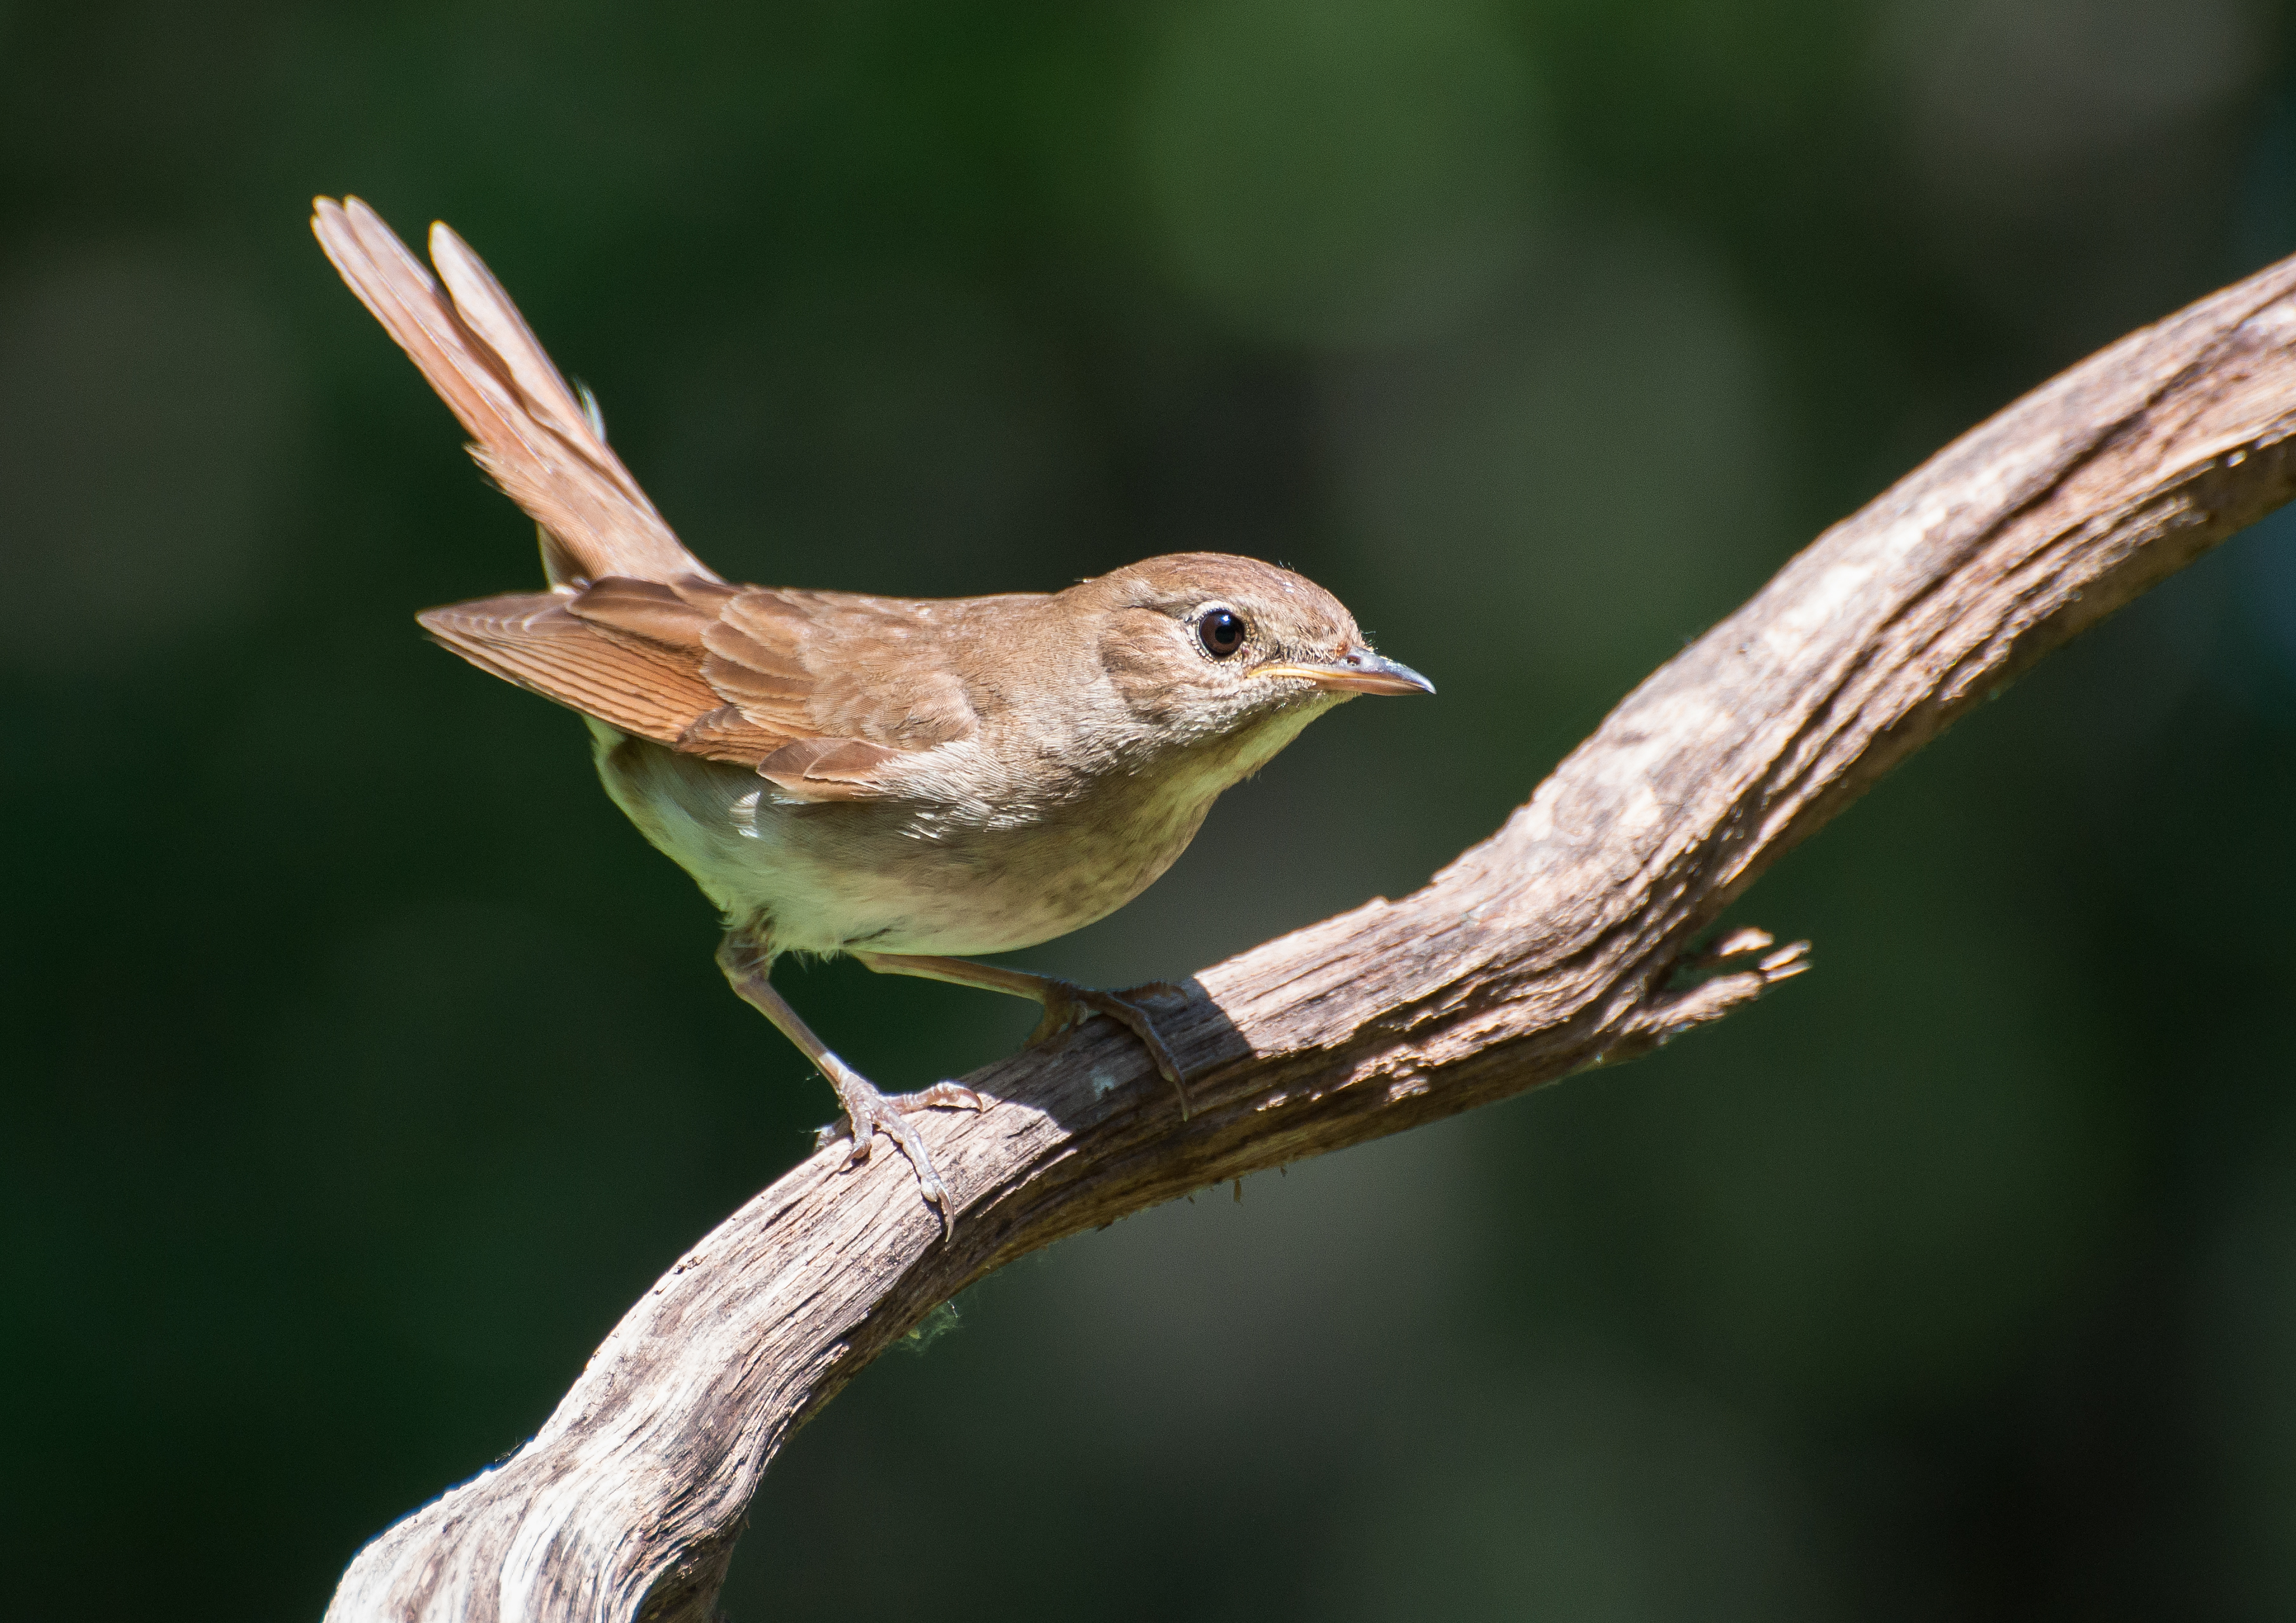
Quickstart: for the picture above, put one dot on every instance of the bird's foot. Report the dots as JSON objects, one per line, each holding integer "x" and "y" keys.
{"x": 869, "y": 1112}
{"x": 1068, "y": 1005}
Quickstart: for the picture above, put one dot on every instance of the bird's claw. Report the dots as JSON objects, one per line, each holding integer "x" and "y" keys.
{"x": 1068, "y": 1005}
{"x": 869, "y": 1112}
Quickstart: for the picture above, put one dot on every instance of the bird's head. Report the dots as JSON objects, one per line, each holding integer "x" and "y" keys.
{"x": 1206, "y": 647}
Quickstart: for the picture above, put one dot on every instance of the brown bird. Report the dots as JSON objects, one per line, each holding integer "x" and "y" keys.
{"x": 905, "y": 780}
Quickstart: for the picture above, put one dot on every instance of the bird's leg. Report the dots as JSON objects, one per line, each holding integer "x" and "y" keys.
{"x": 867, "y": 1110}
{"x": 1066, "y": 1003}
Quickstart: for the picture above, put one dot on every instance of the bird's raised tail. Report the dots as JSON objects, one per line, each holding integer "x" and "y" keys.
{"x": 529, "y": 433}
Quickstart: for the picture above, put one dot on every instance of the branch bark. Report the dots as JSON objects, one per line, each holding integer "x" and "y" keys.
{"x": 1559, "y": 943}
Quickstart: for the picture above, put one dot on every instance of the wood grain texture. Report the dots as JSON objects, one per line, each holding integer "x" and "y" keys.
{"x": 1560, "y": 942}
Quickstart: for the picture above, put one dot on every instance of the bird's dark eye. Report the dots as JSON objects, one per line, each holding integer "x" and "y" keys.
{"x": 1221, "y": 632}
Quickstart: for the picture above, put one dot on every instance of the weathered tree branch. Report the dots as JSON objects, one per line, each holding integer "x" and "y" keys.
{"x": 1556, "y": 943}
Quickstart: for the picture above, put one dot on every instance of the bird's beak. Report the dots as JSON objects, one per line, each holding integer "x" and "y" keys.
{"x": 1359, "y": 670}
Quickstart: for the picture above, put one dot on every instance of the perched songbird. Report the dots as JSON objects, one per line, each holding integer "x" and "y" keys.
{"x": 905, "y": 780}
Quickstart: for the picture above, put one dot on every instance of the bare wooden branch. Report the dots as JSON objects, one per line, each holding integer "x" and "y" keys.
{"x": 1559, "y": 943}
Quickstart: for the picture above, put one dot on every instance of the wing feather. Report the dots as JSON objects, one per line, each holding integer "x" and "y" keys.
{"x": 644, "y": 609}
{"x": 631, "y": 653}
{"x": 533, "y": 639}
{"x": 829, "y": 768}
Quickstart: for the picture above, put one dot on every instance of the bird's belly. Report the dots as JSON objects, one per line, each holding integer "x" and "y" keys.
{"x": 958, "y": 892}
{"x": 833, "y": 876}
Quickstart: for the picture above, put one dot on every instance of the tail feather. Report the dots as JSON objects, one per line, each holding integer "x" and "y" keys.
{"x": 538, "y": 442}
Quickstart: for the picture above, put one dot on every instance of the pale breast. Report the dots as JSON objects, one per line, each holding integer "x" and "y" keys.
{"x": 827, "y": 877}
{"x": 947, "y": 876}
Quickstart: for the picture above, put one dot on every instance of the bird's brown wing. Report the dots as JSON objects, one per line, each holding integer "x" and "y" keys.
{"x": 818, "y": 692}
{"x": 533, "y": 639}
{"x": 540, "y": 445}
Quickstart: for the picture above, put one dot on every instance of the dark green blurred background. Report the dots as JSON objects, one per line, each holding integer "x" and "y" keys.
{"x": 361, "y": 1064}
